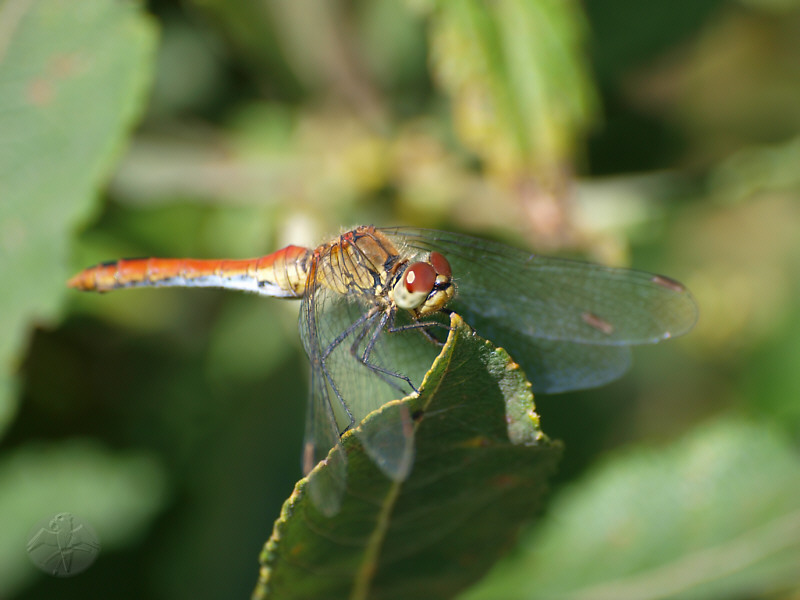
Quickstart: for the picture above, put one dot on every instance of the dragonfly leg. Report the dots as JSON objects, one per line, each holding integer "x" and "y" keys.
{"x": 338, "y": 396}
{"x": 365, "y": 318}
{"x": 364, "y": 356}
{"x": 362, "y": 320}
{"x": 424, "y": 328}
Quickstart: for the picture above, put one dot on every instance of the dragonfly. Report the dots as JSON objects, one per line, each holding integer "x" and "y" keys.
{"x": 374, "y": 302}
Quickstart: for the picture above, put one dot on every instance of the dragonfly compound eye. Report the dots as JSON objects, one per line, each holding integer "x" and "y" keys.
{"x": 414, "y": 286}
{"x": 440, "y": 264}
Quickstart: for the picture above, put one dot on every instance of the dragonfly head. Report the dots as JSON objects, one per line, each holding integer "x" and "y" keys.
{"x": 425, "y": 287}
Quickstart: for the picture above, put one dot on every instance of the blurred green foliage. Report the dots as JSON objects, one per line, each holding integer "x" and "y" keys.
{"x": 663, "y": 135}
{"x": 713, "y": 516}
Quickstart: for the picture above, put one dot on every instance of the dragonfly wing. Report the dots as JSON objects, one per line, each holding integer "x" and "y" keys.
{"x": 391, "y": 447}
{"x": 560, "y": 299}
{"x": 555, "y": 366}
{"x": 326, "y": 487}
{"x": 340, "y": 328}
{"x": 568, "y": 321}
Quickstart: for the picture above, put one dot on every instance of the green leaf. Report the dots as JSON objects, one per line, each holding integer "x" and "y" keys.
{"x": 73, "y": 77}
{"x": 522, "y": 97}
{"x": 717, "y": 515}
{"x": 481, "y": 470}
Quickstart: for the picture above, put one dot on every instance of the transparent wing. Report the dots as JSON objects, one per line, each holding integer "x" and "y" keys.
{"x": 568, "y": 322}
{"x": 321, "y": 433}
{"x": 348, "y": 382}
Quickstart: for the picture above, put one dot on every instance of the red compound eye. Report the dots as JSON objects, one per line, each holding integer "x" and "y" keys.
{"x": 420, "y": 277}
{"x": 441, "y": 265}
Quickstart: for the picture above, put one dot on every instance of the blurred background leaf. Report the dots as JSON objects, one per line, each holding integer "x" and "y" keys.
{"x": 520, "y": 92}
{"x": 55, "y": 63}
{"x": 661, "y": 135}
{"x": 716, "y": 515}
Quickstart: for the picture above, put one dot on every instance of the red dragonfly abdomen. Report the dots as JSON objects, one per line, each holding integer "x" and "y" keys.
{"x": 280, "y": 274}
